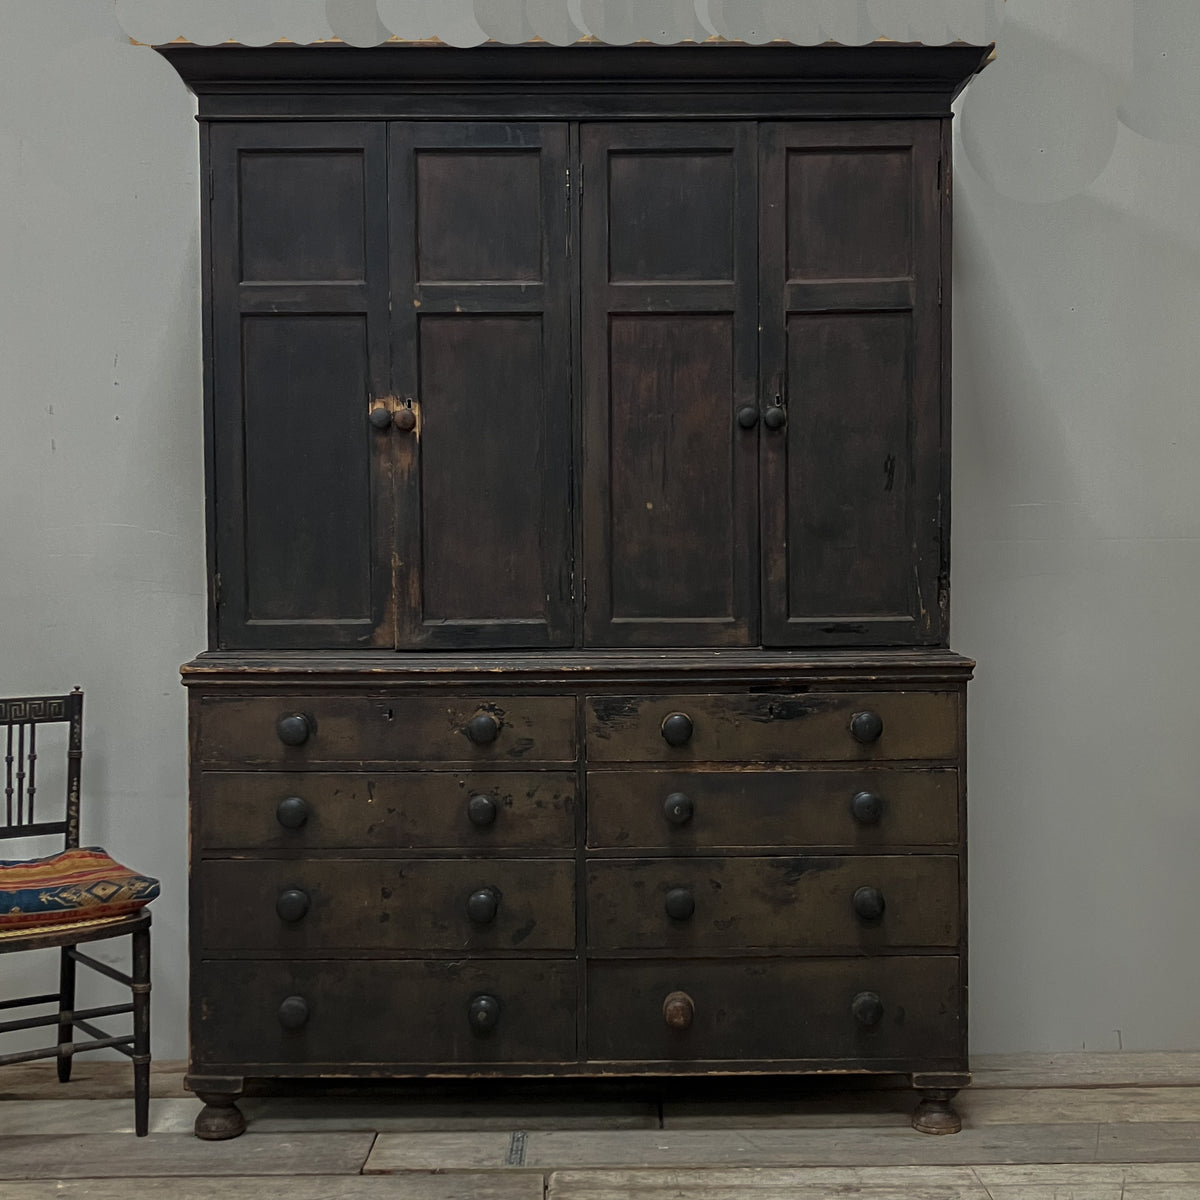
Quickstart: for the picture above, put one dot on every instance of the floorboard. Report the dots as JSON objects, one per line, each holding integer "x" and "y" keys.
{"x": 1036, "y": 1127}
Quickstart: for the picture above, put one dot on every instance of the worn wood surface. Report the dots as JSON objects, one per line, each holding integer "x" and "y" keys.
{"x": 459, "y": 1186}
{"x": 1067, "y": 1146}
{"x": 385, "y": 810}
{"x": 480, "y": 352}
{"x": 668, "y": 348}
{"x": 851, "y": 345}
{"x": 771, "y": 808}
{"x": 781, "y": 727}
{"x": 1169, "y": 1142}
{"x": 425, "y": 1017}
{"x": 799, "y": 1010}
{"x": 87, "y": 1156}
{"x": 386, "y": 905}
{"x": 748, "y": 904}
{"x": 386, "y": 730}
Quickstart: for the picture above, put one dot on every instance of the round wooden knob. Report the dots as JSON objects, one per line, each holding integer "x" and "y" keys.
{"x": 291, "y": 812}
{"x": 866, "y": 808}
{"x": 481, "y": 810}
{"x": 293, "y": 729}
{"x": 292, "y": 905}
{"x": 483, "y": 728}
{"x": 866, "y": 726}
{"x": 678, "y": 808}
{"x": 867, "y": 1008}
{"x": 484, "y": 1014}
{"x": 680, "y": 904}
{"x": 293, "y": 1012}
{"x": 677, "y": 729}
{"x": 679, "y": 1010}
{"x": 775, "y": 418}
{"x": 869, "y": 903}
{"x": 483, "y": 905}
{"x": 380, "y": 417}
{"x": 747, "y": 417}
{"x": 405, "y": 420}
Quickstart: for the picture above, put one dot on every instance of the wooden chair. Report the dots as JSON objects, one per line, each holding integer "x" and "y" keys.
{"x": 76, "y": 896}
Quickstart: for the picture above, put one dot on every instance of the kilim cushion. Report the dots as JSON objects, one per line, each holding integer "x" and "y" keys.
{"x": 83, "y": 884}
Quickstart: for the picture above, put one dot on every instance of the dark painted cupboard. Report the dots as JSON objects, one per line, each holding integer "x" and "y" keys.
{"x": 415, "y": 324}
{"x": 577, "y": 699}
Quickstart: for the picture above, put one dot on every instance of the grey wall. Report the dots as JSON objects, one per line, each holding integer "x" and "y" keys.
{"x": 1077, "y": 505}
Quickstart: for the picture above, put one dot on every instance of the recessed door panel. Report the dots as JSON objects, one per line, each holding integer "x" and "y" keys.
{"x": 481, "y": 370}
{"x": 667, "y": 255}
{"x": 297, "y": 238}
{"x": 853, "y": 527}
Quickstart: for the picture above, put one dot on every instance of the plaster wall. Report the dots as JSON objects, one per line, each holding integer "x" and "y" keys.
{"x": 1076, "y": 496}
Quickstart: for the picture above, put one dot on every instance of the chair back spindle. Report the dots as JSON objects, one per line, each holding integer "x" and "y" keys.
{"x": 20, "y": 719}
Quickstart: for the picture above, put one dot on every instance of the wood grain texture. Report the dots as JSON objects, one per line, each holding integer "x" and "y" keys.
{"x": 386, "y": 810}
{"x": 459, "y": 1186}
{"x": 100, "y": 1156}
{"x": 794, "y": 903}
{"x": 386, "y": 905}
{"x": 771, "y": 809}
{"x": 782, "y": 727}
{"x": 378, "y": 1018}
{"x": 362, "y": 728}
{"x": 881, "y": 1147}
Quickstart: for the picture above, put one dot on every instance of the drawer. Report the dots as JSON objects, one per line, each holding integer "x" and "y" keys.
{"x": 773, "y": 728}
{"x": 354, "y": 729}
{"x": 471, "y": 811}
{"x": 386, "y": 904}
{"x": 817, "y": 902}
{"x": 746, "y": 1010}
{"x": 362, "y": 1017}
{"x": 872, "y": 807}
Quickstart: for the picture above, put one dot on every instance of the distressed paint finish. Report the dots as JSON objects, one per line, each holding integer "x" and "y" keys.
{"x": 646, "y": 335}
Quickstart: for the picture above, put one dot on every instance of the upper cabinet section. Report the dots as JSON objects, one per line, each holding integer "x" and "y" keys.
{"x": 612, "y": 348}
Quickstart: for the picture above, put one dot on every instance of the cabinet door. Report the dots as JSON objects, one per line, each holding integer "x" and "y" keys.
{"x": 301, "y": 524}
{"x": 852, "y": 472}
{"x": 481, "y": 358}
{"x": 669, "y": 347}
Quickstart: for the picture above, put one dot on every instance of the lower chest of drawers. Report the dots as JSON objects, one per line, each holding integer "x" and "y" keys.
{"x": 404, "y": 881}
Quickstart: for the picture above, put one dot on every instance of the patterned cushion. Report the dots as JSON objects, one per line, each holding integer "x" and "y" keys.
{"x": 84, "y": 884}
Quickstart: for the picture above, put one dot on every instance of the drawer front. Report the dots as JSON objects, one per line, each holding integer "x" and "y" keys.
{"x": 354, "y": 729}
{"x": 387, "y": 904}
{"x": 772, "y": 728}
{"x": 870, "y": 808}
{"x": 825, "y": 903}
{"x": 748, "y": 1010}
{"x": 333, "y": 1015}
{"x": 472, "y": 811}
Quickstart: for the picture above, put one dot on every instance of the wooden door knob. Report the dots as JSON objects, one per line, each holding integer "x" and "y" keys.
{"x": 679, "y": 1010}
{"x": 292, "y": 812}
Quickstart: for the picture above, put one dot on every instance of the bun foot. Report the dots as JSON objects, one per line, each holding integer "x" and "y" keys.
{"x": 935, "y": 1113}
{"x": 220, "y": 1118}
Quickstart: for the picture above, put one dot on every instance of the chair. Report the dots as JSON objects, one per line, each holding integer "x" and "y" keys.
{"x": 73, "y": 897}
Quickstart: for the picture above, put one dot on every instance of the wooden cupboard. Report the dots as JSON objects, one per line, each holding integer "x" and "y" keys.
{"x": 578, "y": 463}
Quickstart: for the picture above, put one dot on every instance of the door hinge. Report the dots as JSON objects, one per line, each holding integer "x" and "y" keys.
{"x": 585, "y": 593}
{"x": 581, "y": 181}
{"x": 568, "y": 185}
{"x": 210, "y": 183}
{"x": 217, "y": 589}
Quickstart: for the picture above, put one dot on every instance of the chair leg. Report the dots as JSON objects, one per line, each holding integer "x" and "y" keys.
{"x": 66, "y": 1012}
{"x": 141, "y": 1032}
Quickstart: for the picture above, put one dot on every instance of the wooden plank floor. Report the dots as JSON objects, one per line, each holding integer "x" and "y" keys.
{"x": 1036, "y": 1127}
